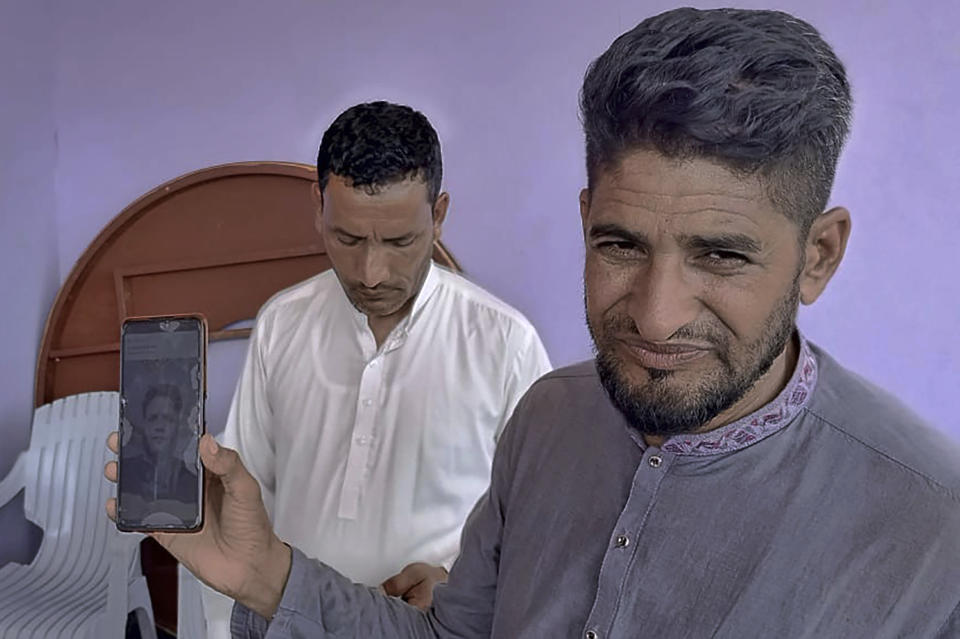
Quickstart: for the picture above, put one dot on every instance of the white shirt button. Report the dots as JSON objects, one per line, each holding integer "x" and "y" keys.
{"x": 368, "y": 402}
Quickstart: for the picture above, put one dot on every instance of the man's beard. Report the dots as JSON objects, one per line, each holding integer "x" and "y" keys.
{"x": 656, "y": 408}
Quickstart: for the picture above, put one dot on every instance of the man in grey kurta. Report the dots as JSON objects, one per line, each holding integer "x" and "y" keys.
{"x": 831, "y": 512}
{"x": 710, "y": 473}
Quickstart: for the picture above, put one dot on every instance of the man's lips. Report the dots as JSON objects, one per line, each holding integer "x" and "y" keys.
{"x": 663, "y": 356}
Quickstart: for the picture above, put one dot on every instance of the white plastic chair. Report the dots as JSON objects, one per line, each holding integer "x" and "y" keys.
{"x": 190, "y": 621}
{"x": 86, "y": 576}
{"x": 203, "y": 612}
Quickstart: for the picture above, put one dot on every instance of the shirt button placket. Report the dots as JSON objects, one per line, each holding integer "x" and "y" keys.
{"x": 359, "y": 457}
{"x": 369, "y": 414}
{"x": 624, "y": 543}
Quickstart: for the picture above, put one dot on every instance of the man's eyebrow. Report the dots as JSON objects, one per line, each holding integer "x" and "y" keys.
{"x": 400, "y": 238}
{"x": 738, "y": 242}
{"x": 615, "y": 230}
{"x": 340, "y": 231}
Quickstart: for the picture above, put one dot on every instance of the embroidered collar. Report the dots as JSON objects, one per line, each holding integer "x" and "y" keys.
{"x": 760, "y": 424}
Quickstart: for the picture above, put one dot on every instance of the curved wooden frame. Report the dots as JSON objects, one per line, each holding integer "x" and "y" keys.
{"x": 66, "y": 296}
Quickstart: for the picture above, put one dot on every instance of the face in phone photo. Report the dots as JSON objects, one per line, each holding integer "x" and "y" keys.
{"x": 161, "y": 418}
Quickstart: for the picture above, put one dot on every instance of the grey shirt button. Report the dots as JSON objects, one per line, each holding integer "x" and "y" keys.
{"x": 623, "y": 541}
{"x": 591, "y": 634}
{"x": 655, "y": 461}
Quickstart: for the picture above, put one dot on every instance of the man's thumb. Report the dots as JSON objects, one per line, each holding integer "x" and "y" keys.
{"x": 226, "y": 465}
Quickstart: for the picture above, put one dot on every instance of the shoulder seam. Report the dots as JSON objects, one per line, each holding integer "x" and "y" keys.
{"x": 956, "y": 610}
{"x": 950, "y": 493}
{"x": 279, "y": 298}
{"x": 475, "y": 294}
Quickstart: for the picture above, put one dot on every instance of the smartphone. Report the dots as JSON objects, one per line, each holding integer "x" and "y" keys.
{"x": 162, "y": 402}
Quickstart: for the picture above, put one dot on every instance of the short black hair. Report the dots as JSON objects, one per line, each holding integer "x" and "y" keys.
{"x": 169, "y": 391}
{"x": 379, "y": 143}
{"x": 760, "y": 92}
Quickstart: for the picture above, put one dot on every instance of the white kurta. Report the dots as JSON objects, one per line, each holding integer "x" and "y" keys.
{"x": 371, "y": 459}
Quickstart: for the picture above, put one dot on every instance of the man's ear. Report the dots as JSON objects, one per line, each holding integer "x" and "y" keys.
{"x": 317, "y": 196}
{"x": 440, "y": 207}
{"x": 824, "y": 249}
{"x": 584, "y": 208}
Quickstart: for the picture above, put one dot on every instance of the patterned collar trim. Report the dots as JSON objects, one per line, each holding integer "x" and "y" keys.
{"x": 760, "y": 424}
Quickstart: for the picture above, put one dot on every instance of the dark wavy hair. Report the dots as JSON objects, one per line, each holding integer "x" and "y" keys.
{"x": 379, "y": 143}
{"x": 758, "y": 91}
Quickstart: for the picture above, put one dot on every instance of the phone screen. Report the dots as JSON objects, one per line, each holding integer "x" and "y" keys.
{"x": 162, "y": 383}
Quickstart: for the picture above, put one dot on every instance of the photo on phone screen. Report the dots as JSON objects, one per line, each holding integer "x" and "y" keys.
{"x": 162, "y": 383}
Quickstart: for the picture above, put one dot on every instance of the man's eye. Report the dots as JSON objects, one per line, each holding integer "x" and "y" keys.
{"x": 349, "y": 241}
{"x": 726, "y": 259}
{"x": 617, "y": 248}
{"x": 402, "y": 243}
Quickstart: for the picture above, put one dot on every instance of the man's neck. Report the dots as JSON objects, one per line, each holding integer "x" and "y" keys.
{"x": 763, "y": 392}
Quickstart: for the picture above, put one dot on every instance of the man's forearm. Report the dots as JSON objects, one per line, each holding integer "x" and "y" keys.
{"x": 317, "y": 601}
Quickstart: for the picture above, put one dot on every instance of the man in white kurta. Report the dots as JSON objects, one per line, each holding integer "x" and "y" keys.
{"x": 373, "y": 393}
{"x": 372, "y": 458}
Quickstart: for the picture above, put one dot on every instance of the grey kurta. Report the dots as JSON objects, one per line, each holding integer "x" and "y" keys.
{"x": 831, "y": 512}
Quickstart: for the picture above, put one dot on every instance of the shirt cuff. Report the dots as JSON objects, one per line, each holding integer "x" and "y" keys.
{"x": 300, "y": 603}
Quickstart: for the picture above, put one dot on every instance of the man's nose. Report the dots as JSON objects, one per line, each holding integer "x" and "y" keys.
{"x": 373, "y": 268}
{"x": 662, "y": 300}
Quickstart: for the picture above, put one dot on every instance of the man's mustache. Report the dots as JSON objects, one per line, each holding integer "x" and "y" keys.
{"x": 620, "y": 324}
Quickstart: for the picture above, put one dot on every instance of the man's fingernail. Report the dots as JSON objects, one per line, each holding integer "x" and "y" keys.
{"x": 213, "y": 445}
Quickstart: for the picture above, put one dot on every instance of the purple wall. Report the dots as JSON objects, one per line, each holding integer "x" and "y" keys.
{"x": 28, "y": 235}
{"x": 142, "y": 92}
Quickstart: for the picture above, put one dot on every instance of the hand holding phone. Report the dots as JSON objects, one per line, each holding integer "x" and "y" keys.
{"x": 162, "y": 484}
{"x": 237, "y": 552}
